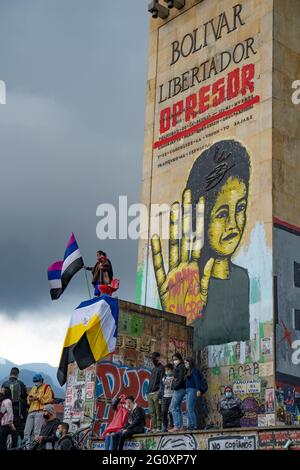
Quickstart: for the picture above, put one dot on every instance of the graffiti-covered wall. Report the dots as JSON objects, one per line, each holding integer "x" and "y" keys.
{"x": 208, "y": 178}
{"x": 286, "y": 202}
{"x": 141, "y": 332}
{"x": 230, "y": 440}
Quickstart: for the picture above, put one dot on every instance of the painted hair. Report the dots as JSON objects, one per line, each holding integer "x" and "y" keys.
{"x": 223, "y": 160}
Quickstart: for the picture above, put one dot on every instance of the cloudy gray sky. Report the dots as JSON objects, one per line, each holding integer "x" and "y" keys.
{"x": 71, "y": 138}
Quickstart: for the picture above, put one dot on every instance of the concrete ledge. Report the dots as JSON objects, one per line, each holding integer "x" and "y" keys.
{"x": 229, "y": 439}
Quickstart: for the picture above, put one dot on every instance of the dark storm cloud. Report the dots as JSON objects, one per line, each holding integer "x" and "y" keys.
{"x": 71, "y": 136}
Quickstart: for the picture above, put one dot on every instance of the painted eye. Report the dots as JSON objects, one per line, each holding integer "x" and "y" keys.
{"x": 241, "y": 207}
{"x": 222, "y": 215}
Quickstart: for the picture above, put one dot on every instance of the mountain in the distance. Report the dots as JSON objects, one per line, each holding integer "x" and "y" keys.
{"x": 27, "y": 371}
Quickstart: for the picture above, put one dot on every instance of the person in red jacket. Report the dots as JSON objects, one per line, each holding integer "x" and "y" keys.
{"x": 119, "y": 420}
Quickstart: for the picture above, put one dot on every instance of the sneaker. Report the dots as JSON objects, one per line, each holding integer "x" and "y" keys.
{"x": 164, "y": 430}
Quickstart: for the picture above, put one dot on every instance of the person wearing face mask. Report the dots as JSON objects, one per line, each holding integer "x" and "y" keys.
{"x": 195, "y": 386}
{"x": 6, "y": 416}
{"x": 231, "y": 409}
{"x": 119, "y": 420}
{"x": 179, "y": 388}
{"x": 41, "y": 394}
{"x": 65, "y": 440}
{"x": 47, "y": 437}
{"x": 165, "y": 394}
{"x": 157, "y": 374}
{"x": 135, "y": 424}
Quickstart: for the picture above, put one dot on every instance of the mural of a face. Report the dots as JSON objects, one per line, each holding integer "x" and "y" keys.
{"x": 203, "y": 282}
{"x": 228, "y": 218}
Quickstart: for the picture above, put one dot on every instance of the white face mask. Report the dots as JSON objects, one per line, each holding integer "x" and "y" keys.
{"x": 187, "y": 365}
{"x": 228, "y": 394}
{"x": 176, "y": 362}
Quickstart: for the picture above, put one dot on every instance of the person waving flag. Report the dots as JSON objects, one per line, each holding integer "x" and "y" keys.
{"x": 61, "y": 272}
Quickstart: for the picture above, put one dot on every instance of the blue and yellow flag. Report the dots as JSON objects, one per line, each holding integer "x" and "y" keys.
{"x": 92, "y": 334}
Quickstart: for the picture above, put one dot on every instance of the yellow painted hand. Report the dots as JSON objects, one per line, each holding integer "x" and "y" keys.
{"x": 182, "y": 290}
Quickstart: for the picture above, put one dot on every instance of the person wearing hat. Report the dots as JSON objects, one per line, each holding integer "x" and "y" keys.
{"x": 47, "y": 437}
{"x": 231, "y": 409}
{"x": 41, "y": 394}
{"x": 154, "y": 401}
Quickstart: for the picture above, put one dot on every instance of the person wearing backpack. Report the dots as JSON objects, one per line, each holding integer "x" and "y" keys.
{"x": 19, "y": 402}
{"x": 41, "y": 394}
{"x": 196, "y": 385}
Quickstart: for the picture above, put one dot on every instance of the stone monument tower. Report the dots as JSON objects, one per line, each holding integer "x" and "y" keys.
{"x": 221, "y": 179}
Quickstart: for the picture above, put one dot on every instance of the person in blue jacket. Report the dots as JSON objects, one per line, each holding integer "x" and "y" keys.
{"x": 195, "y": 387}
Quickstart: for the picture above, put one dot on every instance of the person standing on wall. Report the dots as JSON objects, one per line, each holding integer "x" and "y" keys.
{"x": 196, "y": 385}
{"x": 231, "y": 409}
{"x": 179, "y": 388}
{"x": 102, "y": 264}
{"x": 157, "y": 374}
{"x": 40, "y": 395}
{"x": 6, "y": 417}
{"x": 19, "y": 401}
{"x": 165, "y": 394}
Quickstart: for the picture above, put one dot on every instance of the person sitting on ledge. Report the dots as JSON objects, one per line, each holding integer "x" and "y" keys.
{"x": 231, "y": 409}
{"x": 120, "y": 418}
{"x": 135, "y": 424}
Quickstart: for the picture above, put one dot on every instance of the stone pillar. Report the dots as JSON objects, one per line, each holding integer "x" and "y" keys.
{"x": 221, "y": 148}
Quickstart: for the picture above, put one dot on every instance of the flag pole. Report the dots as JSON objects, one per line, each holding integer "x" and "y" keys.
{"x": 87, "y": 283}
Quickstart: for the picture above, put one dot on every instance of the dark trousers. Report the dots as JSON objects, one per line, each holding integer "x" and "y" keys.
{"x": 19, "y": 425}
{"x": 166, "y": 413}
{"x": 4, "y": 433}
{"x": 119, "y": 439}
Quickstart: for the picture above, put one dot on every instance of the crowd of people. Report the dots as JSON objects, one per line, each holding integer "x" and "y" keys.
{"x": 30, "y": 417}
{"x": 168, "y": 386}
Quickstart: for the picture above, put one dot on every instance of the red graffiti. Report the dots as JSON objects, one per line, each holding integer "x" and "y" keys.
{"x": 287, "y": 334}
{"x": 114, "y": 380}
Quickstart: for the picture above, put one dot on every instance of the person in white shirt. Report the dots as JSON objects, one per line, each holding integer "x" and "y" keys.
{"x": 6, "y": 416}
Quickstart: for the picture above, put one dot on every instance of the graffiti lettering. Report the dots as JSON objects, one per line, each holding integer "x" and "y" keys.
{"x": 112, "y": 381}
{"x": 296, "y": 353}
{"x": 244, "y": 370}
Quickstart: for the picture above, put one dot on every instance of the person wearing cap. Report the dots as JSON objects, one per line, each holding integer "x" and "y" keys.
{"x": 154, "y": 401}
{"x": 47, "y": 436}
{"x": 41, "y": 394}
{"x": 231, "y": 409}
